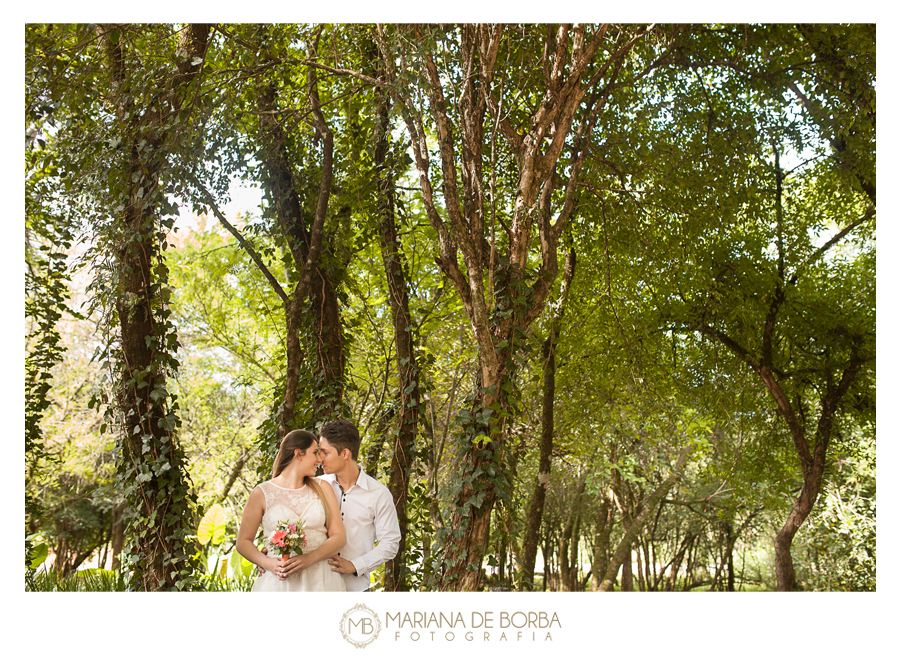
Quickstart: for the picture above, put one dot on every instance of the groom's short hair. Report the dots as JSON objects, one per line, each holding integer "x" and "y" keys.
{"x": 342, "y": 434}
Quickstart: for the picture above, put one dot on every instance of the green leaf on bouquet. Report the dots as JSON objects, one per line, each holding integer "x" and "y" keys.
{"x": 212, "y": 526}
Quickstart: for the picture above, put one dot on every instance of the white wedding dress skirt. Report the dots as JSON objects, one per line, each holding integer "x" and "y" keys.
{"x": 295, "y": 505}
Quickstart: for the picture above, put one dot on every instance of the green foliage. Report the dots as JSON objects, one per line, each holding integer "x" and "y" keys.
{"x": 419, "y": 553}
{"x": 212, "y": 526}
{"x": 224, "y": 569}
{"x": 681, "y": 238}
{"x": 114, "y": 151}
{"x": 104, "y": 580}
{"x": 88, "y": 580}
{"x": 223, "y": 303}
{"x": 839, "y": 540}
{"x": 38, "y": 552}
{"x": 49, "y": 233}
{"x": 840, "y": 547}
{"x": 230, "y": 323}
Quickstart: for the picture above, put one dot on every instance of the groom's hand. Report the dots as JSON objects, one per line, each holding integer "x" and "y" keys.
{"x": 341, "y": 565}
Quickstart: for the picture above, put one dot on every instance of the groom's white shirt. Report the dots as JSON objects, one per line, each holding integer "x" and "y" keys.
{"x": 369, "y": 515}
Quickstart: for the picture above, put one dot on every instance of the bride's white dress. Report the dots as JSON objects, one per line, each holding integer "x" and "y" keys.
{"x": 293, "y": 505}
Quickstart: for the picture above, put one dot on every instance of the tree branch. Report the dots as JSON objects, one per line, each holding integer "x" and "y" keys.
{"x": 869, "y": 214}
{"x": 246, "y": 246}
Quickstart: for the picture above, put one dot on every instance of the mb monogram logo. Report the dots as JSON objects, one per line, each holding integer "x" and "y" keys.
{"x": 360, "y": 625}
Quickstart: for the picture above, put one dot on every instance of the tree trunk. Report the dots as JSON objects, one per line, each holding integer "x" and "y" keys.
{"x": 382, "y": 434}
{"x": 626, "y": 583}
{"x": 786, "y": 579}
{"x": 152, "y": 461}
{"x": 602, "y": 530}
{"x": 513, "y": 302}
{"x": 117, "y": 536}
{"x": 536, "y": 508}
{"x": 548, "y": 398}
{"x": 304, "y": 244}
{"x": 678, "y": 559}
{"x": 568, "y": 548}
{"x": 641, "y": 567}
{"x": 812, "y": 462}
{"x": 653, "y": 577}
{"x": 623, "y": 550}
{"x": 691, "y": 564}
{"x": 731, "y": 538}
{"x": 627, "y": 571}
{"x": 547, "y": 554}
{"x": 328, "y": 339}
{"x": 575, "y": 584}
{"x": 407, "y": 365}
{"x": 278, "y": 183}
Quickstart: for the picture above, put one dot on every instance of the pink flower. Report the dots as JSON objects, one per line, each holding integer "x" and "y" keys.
{"x": 293, "y": 528}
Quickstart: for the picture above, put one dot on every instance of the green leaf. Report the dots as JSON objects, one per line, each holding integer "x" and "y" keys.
{"x": 481, "y": 440}
{"x": 241, "y": 565}
{"x": 212, "y": 526}
{"x": 38, "y": 555}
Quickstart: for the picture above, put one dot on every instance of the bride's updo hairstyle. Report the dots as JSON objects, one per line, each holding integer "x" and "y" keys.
{"x": 294, "y": 440}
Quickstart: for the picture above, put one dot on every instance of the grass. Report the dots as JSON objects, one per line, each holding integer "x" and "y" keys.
{"x": 104, "y": 580}
{"x": 89, "y": 580}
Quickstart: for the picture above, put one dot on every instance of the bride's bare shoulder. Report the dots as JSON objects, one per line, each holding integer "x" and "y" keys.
{"x": 259, "y": 494}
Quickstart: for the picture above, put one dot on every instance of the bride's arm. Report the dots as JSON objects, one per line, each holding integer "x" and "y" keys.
{"x": 250, "y": 520}
{"x": 337, "y": 537}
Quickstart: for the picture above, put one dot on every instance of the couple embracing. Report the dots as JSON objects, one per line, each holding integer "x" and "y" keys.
{"x": 342, "y": 514}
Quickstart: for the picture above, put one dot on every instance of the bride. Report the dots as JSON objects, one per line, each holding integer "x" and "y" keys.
{"x": 293, "y": 495}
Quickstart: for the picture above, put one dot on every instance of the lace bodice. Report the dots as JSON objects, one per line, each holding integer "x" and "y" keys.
{"x": 292, "y": 505}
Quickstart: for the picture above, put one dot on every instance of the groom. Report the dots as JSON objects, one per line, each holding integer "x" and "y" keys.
{"x": 367, "y": 507}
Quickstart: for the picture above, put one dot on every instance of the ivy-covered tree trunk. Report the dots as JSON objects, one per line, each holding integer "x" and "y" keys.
{"x": 327, "y": 339}
{"x": 152, "y": 467}
{"x": 407, "y": 417}
{"x": 117, "y": 536}
{"x": 304, "y": 243}
{"x": 536, "y": 508}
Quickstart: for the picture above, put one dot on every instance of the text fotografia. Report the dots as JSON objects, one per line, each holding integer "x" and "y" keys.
{"x": 480, "y": 626}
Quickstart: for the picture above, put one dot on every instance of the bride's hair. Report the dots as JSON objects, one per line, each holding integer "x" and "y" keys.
{"x": 292, "y": 441}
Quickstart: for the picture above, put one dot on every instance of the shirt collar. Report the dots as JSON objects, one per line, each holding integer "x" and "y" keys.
{"x": 362, "y": 481}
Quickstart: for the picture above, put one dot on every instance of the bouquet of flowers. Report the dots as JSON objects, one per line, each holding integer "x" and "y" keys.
{"x": 288, "y": 537}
